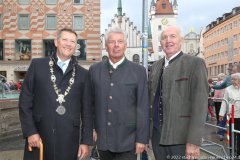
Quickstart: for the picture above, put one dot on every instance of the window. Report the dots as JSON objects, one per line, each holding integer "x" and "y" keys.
{"x": 1, "y": 50}
{"x": 159, "y": 48}
{"x": 159, "y": 27}
{"x": 230, "y": 26}
{"x": 1, "y": 22}
{"x": 49, "y": 47}
{"x": 23, "y": 1}
{"x": 81, "y": 49}
{"x": 51, "y": 1}
{"x": 23, "y": 22}
{"x": 164, "y": 5}
{"x": 78, "y": 22}
{"x": 23, "y": 49}
{"x": 78, "y": 1}
{"x": 51, "y": 22}
{"x": 136, "y": 58}
{"x": 235, "y": 23}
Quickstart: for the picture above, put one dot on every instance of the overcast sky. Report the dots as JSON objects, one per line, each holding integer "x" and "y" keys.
{"x": 191, "y": 13}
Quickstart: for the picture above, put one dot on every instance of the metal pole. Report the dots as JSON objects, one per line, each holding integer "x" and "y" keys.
{"x": 145, "y": 34}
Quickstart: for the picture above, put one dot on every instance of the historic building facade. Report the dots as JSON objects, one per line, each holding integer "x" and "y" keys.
{"x": 221, "y": 42}
{"x": 191, "y": 43}
{"x": 28, "y": 29}
{"x": 162, "y": 13}
{"x": 134, "y": 40}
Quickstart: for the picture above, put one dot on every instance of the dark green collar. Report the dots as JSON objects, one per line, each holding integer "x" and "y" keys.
{"x": 120, "y": 65}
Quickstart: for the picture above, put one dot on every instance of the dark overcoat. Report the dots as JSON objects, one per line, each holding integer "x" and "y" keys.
{"x": 120, "y": 105}
{"x": 185, "y": 95}
{"x": 60, "y": 134}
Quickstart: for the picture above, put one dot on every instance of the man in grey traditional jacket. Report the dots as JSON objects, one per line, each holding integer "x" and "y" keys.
{"x": 178, "y": 91}
{"x": 120, "y": 100}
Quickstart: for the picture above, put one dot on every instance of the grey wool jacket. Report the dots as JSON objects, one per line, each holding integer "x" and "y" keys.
{"x": 121, "y": 107}
{"x": 185, "y": 94}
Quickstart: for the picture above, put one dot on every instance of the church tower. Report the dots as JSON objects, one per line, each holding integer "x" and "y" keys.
{"x": 175, "y": 7}
{"x": 162, "y": 13}
{"x": 134, "y": 37}
{"x": 119, "y": 15}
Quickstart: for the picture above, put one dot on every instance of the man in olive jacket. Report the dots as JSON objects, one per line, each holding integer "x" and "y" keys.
{"x": 120, "y": 96}
{"x": 178, "y": 91}
{"x": 54, "y": 104}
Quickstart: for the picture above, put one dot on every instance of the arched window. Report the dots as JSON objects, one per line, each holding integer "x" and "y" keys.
{"x": 136, "y": 58}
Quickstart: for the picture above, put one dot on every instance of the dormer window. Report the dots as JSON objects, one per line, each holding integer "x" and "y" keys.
{"x": 164, "y": 5}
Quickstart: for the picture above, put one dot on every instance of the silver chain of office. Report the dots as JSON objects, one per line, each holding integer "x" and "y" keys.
{"x": 61, "y": 110}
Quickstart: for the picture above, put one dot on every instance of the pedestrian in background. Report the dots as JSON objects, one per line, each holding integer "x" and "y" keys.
{"x": 218, "y": 94}
{"x": 178, "y": 91}
{"x": 120, "y": 100}
{"x": 54, "y": 104}
{"x": 226, "y": 82}
{"x": 231, "y": 94}
{"x": 210, "y": 101}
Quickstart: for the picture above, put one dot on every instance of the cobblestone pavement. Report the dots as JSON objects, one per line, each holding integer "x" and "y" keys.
{"x": 13, "y": 149}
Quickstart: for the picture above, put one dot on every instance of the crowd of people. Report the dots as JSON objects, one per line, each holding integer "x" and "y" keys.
{"x": 227, "y": 88}
{"x": 114, "y": 105}
{"x": 11, "y": 85}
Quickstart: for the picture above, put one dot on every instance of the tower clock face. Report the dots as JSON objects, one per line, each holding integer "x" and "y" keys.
{"x": 164, "y": 21}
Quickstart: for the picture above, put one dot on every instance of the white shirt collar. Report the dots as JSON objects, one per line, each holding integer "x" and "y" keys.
{"x": 115, "y": 65}
{"x": 167, "y": 60}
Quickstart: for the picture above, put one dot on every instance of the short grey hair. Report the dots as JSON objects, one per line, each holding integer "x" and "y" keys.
{"x": 115, "y": 30}
{"x": 236, "y": 75}
{"x": 221, "y": 76}
{"x": 178, "y": 29}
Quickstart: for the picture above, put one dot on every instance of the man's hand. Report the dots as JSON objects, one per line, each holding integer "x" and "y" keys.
{"x": 83, "y": 151}
{"x": 192, "y": 151}
{"x": 34, "y": 140}
{"x": 140, "y": 147}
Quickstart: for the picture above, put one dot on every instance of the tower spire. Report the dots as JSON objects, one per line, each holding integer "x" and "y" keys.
{"x": 119, "y": 8}
{"x": 119, "y": 13}
{"x": 175, "y": 7}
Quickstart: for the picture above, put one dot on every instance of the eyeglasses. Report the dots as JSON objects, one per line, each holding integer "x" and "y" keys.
{"x": 112, "y": 43}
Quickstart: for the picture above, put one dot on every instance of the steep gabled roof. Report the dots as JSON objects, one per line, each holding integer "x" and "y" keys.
{"x": 163, "y": 7}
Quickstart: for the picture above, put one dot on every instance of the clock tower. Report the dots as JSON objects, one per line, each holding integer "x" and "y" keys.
{"x": 162, "y": 13}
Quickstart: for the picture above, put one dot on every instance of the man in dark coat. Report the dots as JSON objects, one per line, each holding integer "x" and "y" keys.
{"x": 54, "y": 104}
{"x": 120, "y": 96}
{"x": 178, "y": 91}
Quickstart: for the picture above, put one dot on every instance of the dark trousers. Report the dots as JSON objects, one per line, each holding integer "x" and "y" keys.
{"x": 165, "y": 152}
{"x": 222, "y": 124}
{"x": 217, "y": 110}
{"x": 108, "y": 155}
